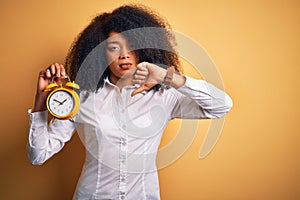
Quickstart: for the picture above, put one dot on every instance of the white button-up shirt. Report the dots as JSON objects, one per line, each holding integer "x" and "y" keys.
{"x": 122, "y": 134}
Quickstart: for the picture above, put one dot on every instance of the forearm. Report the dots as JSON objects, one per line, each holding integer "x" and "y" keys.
{"x": 37, "y": 137}
{"x": 213, "y": 102}
{"x": 40, "y": 102}
{"x": 45, "y": 140}
{"x": 177, "y": 79}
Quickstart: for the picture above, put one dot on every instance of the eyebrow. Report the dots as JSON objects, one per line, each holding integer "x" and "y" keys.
{"x": 112, "y": 42}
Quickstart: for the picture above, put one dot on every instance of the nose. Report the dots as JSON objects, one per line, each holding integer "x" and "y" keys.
{"x": 124, "y": 54}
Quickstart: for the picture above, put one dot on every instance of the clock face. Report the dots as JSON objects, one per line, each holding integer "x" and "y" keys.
{"x": 61, "y": 103}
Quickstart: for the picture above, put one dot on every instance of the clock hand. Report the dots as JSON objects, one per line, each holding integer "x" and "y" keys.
{"x": 57, "y": 101}
{"x": 63, "y": 101}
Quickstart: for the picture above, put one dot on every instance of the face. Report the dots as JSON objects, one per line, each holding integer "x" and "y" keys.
{"x": 122, "y": 61}
{"x": 61, "y": 103}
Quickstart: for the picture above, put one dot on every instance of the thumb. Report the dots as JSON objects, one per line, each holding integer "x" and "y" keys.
{"x": 144, "y": 87}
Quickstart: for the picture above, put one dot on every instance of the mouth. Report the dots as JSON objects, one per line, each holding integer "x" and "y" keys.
{"x": 125, "y": 66}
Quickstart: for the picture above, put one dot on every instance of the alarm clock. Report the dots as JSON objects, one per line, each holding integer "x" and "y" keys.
{"x": 63, "y": 102}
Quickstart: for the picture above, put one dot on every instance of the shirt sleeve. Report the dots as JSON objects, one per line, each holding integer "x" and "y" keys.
{"x": 198, "y": 99}
{"x": 44, "y": 140}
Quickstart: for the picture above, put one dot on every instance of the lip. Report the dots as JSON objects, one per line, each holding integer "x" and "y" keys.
{"x": 125, "y": 66}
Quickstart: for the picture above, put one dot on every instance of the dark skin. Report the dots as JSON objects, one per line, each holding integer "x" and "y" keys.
{"x": 124, "y": 67}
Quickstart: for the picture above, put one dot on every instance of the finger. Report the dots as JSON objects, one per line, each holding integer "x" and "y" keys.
{"x": 141, "y": 72}
{"x": 142, "y": 66}
{"x": 42, "y": 74}
{"x": 48, "y": 73}
{"x": 139, "y": 90}
{"x": 57, "y": 70}
{"x": 139, "y": 77}
{"x": 138, "y": 81}
{"x": 52, "y": 69}
{"x": 142, "y": 88}
{"x": 62, "y": 70}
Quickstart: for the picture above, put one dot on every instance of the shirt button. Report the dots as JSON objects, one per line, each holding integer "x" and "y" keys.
{"x": 123, "y": 178}
{"x": 122, "y": 195}
{"x": 123, "y": 158}
{"x": 123, "y": 141}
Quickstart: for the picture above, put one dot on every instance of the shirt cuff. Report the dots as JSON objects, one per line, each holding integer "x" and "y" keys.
{"x": 38, "y": 117}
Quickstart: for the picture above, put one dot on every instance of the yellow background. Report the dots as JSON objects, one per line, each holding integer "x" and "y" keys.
{"x": 255, "y": 45}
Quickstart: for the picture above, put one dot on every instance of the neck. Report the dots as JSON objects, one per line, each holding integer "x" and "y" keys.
{"x": 120, "y": 82}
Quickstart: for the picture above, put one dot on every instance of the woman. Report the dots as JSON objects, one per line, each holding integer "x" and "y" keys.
{"x": 124, "y": 63}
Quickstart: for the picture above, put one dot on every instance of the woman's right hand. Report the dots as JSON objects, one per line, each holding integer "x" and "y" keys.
{"x": 45, "y": 77}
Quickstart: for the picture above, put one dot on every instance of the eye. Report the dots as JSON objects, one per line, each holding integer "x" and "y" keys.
{"x": 113, "y": 48}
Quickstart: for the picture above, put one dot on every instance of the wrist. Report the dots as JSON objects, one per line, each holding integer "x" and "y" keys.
{"x": 40, "y": 102}
{"x": 168, "y": 79}
{"x": 178, "y": 81}
{"x": 173, "y": 79}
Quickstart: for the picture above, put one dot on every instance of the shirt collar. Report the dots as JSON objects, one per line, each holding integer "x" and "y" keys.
{"x": 107, "y": 83}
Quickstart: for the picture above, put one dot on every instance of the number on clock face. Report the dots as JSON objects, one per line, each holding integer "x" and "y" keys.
{"x": 61, "y": 103}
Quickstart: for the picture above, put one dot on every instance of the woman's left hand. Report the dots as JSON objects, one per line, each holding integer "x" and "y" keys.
{"x": 147, "y": 75}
